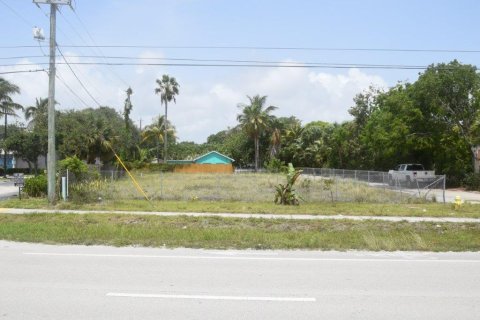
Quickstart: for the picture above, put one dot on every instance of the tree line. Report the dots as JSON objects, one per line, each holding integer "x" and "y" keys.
{"x": 434, "y": 120}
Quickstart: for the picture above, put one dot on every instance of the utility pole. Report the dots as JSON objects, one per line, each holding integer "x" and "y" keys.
{"x": 51, "y": 155}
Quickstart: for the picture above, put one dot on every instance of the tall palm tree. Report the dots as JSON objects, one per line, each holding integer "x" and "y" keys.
{"x": 155, "y": 133}
{"x": 7, "y": 107}
{"x": 168, "y": 89}
{"x": 255, "y": 119}
{"x": 127, "y": 108}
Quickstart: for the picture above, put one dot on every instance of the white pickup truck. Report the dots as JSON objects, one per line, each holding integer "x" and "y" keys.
{"x": 411, "y": 175}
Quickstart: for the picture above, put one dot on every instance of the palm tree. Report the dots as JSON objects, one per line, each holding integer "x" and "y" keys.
{"x": 155, "y": 133}
{"x": 7, "y": 107}
{"x": 168, "y": 89}
{"x": 275, "y": 142}
{"x": 255, "y": 119}
{"x": 127, "y": 108}
{"x": 38, "y": 110}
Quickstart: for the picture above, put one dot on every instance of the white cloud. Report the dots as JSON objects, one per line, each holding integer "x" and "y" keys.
{"x": 207, "y": 106}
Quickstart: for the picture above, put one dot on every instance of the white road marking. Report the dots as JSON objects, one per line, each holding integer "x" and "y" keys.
{"x": 205, "y": 297}
{"x": 242, "y": 258}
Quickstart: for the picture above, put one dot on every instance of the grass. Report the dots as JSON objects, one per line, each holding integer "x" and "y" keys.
{"x": 222, "y": 233}
{"x": 320, "y": 208}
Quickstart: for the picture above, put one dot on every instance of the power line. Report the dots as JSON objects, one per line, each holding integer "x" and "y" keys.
{"x": 78, "y": 79}
{"x": 71, "y": 90}
{"x": 261, "y": 48}
{"x": 210, "y": 60}
{"x": 237, "y": 65}
{"x": 414, "y": 50}
{"x": 22, "y": 71}
{"x": 17, "y": 14}
{"x": 98, "y": 48}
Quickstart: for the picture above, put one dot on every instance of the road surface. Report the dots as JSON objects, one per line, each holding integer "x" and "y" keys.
{"x": 7, "y": 189}
{"x": 75, "y": 282}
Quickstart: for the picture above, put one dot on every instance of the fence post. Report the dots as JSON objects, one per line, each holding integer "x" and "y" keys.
{"x": 368, "y": 176}
{"x": 64, "y": 188}
{"x": 444, "y": 182}
{"x": 67, "y": 181}
{"x": 355, "y": 171}
{"x": 161, "y": 185}
{"x": 111, "y": 173}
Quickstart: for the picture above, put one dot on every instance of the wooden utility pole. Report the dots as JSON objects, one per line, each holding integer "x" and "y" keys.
{"x": 51, "y": 155}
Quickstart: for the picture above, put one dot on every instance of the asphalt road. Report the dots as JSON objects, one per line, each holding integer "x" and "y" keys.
{"x": 75, "y": 282}
{"x": 7, "y": 189}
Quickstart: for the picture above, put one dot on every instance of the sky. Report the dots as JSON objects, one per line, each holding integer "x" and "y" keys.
{"x": 285, "y": 32}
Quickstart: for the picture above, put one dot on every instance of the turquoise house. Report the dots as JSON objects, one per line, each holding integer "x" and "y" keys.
{"x": 213, "y": 157}
{"x": 213, "y": 162}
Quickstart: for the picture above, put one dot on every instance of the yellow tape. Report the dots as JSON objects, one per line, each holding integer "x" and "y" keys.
{"x": 135, "y": 183}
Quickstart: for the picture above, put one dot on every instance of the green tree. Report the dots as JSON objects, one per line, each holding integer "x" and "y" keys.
{"x": 38, "y": 112}
{"x": 450, "y": 93}
{"x": 25, "y": 145}
{"x": 91, "y": 133}
{"x": 7, "y": 108}
{"x": 256, "y": 119}
{"x": 168, "y": 89}
{"x": 154, "y": 135}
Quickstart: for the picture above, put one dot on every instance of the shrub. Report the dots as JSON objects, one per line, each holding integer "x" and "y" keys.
{"x": 472, "y": 181}
{"x": 75, "y": 166}
{"x": 36, "y": 186}
{"x": 275, "y": 165}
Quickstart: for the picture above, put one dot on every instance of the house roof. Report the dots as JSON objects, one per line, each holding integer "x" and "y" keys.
{"x": 210, "y": 153}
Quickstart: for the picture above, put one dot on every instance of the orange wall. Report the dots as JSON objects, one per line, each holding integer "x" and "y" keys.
{"x": 204, "y": 168}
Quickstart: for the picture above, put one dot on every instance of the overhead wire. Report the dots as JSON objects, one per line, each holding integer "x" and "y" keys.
{"x": 237, "y": 65}
{"x": 201, "y": 60}
{"x": 98, "y": 48}
{"x": 413, "y": 50}
{"x": 78, "y": 79}
{"x": 71, "y": 90}
{"x": 67, "y": 37}
{"x": 39, "y": 45}
{"x": 17, "y": 14}
{"x": 22, "y": 71}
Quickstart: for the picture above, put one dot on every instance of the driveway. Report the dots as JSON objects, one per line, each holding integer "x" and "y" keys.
{"x": 7, "y": 189}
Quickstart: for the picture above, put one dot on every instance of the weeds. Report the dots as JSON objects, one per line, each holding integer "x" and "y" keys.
{"x": 223, "y": 233}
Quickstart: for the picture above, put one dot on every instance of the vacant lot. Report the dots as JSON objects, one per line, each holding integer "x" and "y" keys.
{"x": 252, "y": 187}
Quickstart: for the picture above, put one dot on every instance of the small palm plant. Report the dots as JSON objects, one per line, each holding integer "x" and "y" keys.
{"x": 286, "y": 193}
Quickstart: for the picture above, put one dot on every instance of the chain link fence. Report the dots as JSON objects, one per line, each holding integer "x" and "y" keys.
{"x": 432, "y": 189}
{"x": 314, "y": 185}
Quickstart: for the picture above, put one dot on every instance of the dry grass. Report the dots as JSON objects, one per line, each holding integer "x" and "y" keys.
{"x": 245, "y": 187}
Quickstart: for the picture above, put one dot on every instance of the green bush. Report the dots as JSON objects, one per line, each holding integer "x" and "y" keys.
{"x": 36, "y": 186}
{"x": 75, "y": 166}
{"x": 275, "y": 165}
{"x": 472, "y": 181}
